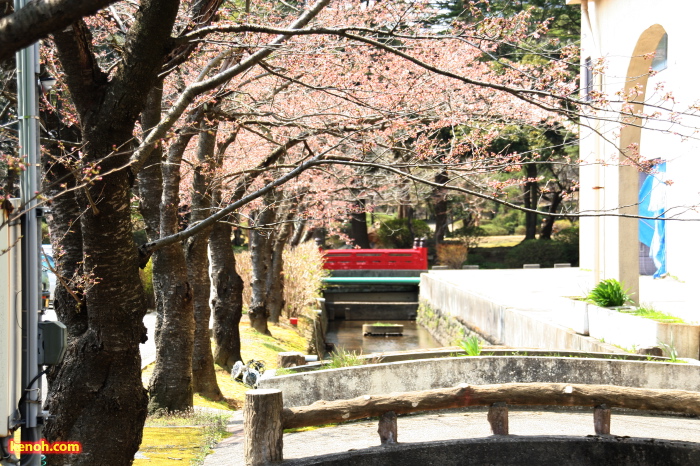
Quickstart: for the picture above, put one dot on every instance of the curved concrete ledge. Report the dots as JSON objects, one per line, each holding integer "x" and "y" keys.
{"x": 349, "y": 382}
{"x": 555, "y": 451}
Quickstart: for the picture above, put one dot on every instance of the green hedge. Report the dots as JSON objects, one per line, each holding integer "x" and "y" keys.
{"x": 491, "y": 229}
{"x": 543, "y": 252}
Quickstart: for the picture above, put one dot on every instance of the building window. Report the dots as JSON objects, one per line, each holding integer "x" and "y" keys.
{"x": 660, "y": 61}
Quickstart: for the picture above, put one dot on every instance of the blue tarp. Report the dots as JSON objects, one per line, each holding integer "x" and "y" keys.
{"x": 652, "y": 203}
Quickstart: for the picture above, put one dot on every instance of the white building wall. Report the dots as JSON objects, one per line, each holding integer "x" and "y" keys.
{"x": 616, "y": 26}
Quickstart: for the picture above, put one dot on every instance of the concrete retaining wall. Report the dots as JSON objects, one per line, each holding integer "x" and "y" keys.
{"x": 531, "y": 326}
{"x": 481, "y": 312}
{"x": 627, "y": 330}
{"x": 350, "y": 382}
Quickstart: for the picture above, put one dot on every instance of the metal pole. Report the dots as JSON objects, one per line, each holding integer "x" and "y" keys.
{"x": 28, "y": 109}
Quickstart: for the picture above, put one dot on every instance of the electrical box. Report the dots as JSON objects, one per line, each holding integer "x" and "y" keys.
{"x": 53, "y": 340}
{"x": 10, "y": 320}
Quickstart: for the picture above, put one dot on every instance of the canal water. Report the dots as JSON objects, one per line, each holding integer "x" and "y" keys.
{"x": 348, "y": 335}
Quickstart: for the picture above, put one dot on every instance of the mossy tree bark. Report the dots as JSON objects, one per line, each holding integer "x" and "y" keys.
{"x": 261, "y": 258}
{"x": 98, "y": 389}
{"x": 203, "y": 373}
{"x": 227, "y": 297}
{"x": 170, "y": 387}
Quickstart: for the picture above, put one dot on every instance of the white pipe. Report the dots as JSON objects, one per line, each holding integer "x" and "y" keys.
{"x": 28, "y": 109}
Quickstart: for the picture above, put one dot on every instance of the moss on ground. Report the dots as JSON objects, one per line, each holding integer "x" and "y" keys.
{"x": 188, "y": 438}
{"x": 165, "y": 445}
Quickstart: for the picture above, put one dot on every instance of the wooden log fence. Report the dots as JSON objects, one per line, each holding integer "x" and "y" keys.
{"x": 266, "y": 446}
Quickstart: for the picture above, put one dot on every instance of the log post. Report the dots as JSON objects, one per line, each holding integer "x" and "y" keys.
{"x": 290, "y": 359}
{"x": 498, "y": 418}
{"x": 388, "y": 428}
{"x": 262, "y": 426}
{"x": 601, "y": 420}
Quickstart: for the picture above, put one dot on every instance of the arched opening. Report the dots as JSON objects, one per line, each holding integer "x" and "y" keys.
{"x": 630, "y": 148}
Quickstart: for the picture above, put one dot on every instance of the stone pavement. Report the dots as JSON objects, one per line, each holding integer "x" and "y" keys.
{"x": 456, "y": 424}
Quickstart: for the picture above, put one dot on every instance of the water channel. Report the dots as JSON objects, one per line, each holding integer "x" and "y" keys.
{"x": 348, "y": 335}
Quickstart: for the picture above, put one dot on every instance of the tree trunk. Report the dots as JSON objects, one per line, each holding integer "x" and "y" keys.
{"x": 260, "y": 256}
{"x": 440, "y": 202}
{"x": 405, "y": 209}
{"x": 548, "y": 226}
{"x": 238, "y": 239}
{"x": 409, "y": 224}
{"x": 203, "y": 373}
{"x": 170, "y": 387}
{"x": 66, "y": 239}
{"x": 150, "y": 190}
{"x": 298, "y": 235}
{"x": 275, "y": 278}
{"x": 227, "y": 285}
{"x": 358, "y": 225}
{"x": 530, "y": 201}
{"x": 67, "y": 244}
{"x": 227, "y": 297}
{"x": 98, "y": 390}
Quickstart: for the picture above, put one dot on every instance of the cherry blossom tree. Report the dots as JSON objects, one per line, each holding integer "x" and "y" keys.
{"x": 320, "y": 94}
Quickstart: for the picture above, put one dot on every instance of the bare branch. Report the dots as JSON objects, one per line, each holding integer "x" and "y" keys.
{"x": 200, "y": 87}
{"x": 39, "y": 19}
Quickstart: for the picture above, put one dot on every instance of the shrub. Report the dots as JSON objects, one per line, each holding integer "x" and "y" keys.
{"x": 394, "y": 232}
{"x": 244, "y": 267}
{"x": 509, "y": 220}
{"x": 520, "y": 230}
{"x": 608, "y": 293}
{"x": 303, "y": 274}
{"x": 567, "y": 235}
{"x": 303, "y": 277}
{"x": 534, "y": 251}
{"x": 452, "y": 255}
{"x": 491, "y": 229}
{"x": 569, "y": 238}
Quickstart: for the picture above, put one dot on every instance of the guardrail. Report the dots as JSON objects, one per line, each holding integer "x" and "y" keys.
{"x": 265, "y": 418}
{"x": 376, "y": 259}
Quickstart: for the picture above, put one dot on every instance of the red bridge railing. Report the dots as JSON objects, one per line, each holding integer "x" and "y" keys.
{"x": 376, "y": 259}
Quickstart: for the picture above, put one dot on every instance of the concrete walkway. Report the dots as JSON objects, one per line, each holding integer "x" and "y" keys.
{"x": 457, "y": 424}
{"x": 527, "y": 289}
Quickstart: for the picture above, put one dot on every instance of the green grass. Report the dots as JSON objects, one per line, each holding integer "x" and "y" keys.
{"x": 670, "y": 348}
{"x": 649, "y": 312}
{"x": 383, "y": 324}
{"x": 472, "y": 345}
{"x": 500, "y": 241}
{"x": 342, "y": 358}
{"x": 183, "y": 437}
{"x": 284, "y": 371}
